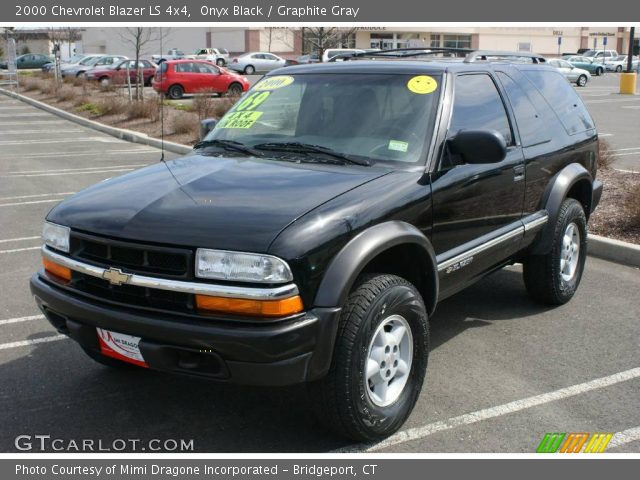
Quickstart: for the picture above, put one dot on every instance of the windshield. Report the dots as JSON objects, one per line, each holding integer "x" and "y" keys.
{"x": 379, "y": 117}
{"x": 89, "y": 60}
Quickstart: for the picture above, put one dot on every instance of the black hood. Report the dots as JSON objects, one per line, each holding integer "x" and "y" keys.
{"x": 203, "y": 201}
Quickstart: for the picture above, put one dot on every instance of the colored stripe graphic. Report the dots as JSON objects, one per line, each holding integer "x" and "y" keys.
{"x": 598, "y": 442}
{"x": 550, "y": 443}
{"x": 574, "y": 442}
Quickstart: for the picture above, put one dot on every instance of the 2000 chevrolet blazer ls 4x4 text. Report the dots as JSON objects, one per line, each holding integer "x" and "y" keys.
{"x": 310, "y": 235}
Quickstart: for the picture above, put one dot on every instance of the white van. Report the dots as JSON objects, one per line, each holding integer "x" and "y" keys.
{"x": 333, "y": 52}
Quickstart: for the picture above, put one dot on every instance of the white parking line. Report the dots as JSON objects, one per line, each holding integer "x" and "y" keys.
{"x": 623, "y": 437}
{"x": 18, "y": 197}
{"x": 80, "y": 154}
{"x": 15, "y": 250}
{"x": 106, "y": 167}
{"x": 35, "y": 341}
{"x": 624, "y": 149}
{"x": 67, "y": 173}
{"x": 624, "y": 154}
{"x": 66, "y": 140}
{"x": 20, "y": 239}
{"x": 21, "y": 319}
{"x": 25, "y": 132}
{"x": 417, "y": 433}
{"x": 32, "y": 202}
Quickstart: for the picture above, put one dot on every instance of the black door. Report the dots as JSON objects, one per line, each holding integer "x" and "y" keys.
{"x": 476, "y": 207}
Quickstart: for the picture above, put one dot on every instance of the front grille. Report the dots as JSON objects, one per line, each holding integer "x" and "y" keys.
{"x": 133, "y": 257}
{"x": 133, "y": 295}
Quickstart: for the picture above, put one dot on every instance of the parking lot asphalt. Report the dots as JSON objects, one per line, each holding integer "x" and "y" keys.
{"x": 617, "y": 118}
{"x": 503, "y": 371}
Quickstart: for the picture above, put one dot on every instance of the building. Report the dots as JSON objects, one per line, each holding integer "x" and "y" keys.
{"x": 41, "y": 40}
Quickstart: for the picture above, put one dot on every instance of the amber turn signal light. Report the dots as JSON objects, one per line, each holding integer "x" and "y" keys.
{"x": 56, "y": 270}
{"x": 254, "y": 308}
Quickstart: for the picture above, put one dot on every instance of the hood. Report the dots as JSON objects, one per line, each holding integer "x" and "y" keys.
{"x": 201, "y": 201}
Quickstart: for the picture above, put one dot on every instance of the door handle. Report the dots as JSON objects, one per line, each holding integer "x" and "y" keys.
{"x": 518, "y": 173}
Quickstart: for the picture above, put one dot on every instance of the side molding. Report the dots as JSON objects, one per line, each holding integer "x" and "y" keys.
{"x": 554, "y": 196}
{"x": 351, "y": 260}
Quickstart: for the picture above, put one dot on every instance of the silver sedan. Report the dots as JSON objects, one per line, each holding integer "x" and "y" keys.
{"x": 252, "y": 62}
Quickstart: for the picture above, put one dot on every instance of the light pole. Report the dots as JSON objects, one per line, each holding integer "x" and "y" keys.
{"x": 629, "y": 79}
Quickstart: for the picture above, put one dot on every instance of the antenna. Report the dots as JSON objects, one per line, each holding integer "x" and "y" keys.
{"x": 161, "y": 103}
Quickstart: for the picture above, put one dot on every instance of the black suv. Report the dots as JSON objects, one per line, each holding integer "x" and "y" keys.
{"x": 311, "y": 234}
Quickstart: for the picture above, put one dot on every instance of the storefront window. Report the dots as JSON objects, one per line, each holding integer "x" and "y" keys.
{"x": 457, "y": 41}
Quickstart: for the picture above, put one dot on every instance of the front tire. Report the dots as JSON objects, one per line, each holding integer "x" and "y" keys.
{"x": 379, "y": 360}
{"x": 553, "y": 279}
{"x": 234, "y": 90}
{"x": 582, "y": 80}
{"x": 599, "y": 71}
{"x": 220, "y": 62}
{"x": 619, "y": 68}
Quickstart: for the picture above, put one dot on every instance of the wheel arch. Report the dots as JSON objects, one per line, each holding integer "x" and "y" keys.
{"x": 393, "y": 247}
{"x": 573, "y": 181}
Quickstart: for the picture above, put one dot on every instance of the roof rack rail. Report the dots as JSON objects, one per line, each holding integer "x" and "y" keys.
{"x": 470, "y": 55}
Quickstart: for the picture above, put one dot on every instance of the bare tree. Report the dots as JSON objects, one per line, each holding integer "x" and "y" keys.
{"x": 139, "y": 38}
{"x": 323, "y": 38}
{"x": 72, "y": 36}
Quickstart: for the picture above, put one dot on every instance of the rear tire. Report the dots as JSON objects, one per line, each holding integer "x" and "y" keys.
{"x": 220, "y": 62}
{"x": 379, "y": 360}
{"x": 553, "y": 279}
{"x": 619, "y": 68}
{"x": 599, "y": 71}
{"x": 175, "y": 92}
{"x": 249, "y": 70}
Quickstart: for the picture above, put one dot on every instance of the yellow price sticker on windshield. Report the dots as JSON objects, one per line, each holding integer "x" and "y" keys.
{"x": 244, "y": 119}
{"x": 272, "y": 83}
{"x": 422, "y": 84}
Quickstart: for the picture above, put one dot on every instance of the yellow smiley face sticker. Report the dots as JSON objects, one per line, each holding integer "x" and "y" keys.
{"x": 422, "y": 84}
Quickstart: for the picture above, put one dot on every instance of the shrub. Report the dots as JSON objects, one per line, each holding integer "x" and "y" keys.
{"x": 49, "y": 87}
{"x": 104, "y": 106}
{"x": 184, "y": 123}
{"x": 66, "y": 93}
{"x": 222, "y": 106}
{"x": 32, "y": 84}
{"x": 204, "y": 104}
{"x": 79, "y": 81}
{"x": 633, "y": 206}
{"x": 92, "y": 108}
{"x": 144, "y": 109}
{"x": 604, "y": 154}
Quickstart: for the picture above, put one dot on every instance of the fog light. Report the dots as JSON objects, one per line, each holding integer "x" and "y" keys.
{"x": 254, "y": 308}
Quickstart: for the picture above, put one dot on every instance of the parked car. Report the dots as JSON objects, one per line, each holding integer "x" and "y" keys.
{"x": 310, "y": 236}
{"x": 619, "y": 63}
{"x": 575, "y": 75}
{"x": 219, "y": 56}
{"x": 589, "y": 64}
{"x": 174, "y": 78}
{"x": 329, "y": 53}
{"x": 29, "y": 60}
{"x": 253, "y": 62}
{"x": 87, "y": 64}
{"x": 48, "y": 67}
{"x": 172, "y": 54}
{"x": 599, "y": 54}
{"x": 117, "y": 72}
{"x": 309, "y": 58}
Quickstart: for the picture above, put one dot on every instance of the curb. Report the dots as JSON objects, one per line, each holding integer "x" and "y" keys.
{"x": 121, "y": 133}
{"x": 614, "y": 250}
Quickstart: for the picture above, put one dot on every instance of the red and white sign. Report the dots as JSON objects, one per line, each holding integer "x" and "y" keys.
{"x": 121, "y": 346}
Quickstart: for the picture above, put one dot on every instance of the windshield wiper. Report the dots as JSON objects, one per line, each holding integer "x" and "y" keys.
{"x": 310, "y": 148}
{"x": 228, "y": 145}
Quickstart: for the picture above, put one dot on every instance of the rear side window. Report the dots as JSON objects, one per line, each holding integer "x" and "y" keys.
{"x": 477, "y": 105}
{"x": 532, "y": 129}
{"x": 562, "y": 98}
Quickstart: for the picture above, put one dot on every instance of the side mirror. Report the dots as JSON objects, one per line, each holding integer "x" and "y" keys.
{"x": 206, "y": 126}
{"x": 479, "y": 146}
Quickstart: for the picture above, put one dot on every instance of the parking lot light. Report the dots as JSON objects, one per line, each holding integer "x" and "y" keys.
{"x": 629, "y": 79}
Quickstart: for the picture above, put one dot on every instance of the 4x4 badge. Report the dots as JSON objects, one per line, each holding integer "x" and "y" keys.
{"x": 115, "y": 276}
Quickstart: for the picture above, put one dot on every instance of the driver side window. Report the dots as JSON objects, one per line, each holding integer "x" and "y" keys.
{"x": 477, "y": 105}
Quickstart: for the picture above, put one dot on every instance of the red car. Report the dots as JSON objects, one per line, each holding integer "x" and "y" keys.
{"x": 174, "y": 78}
{"x": 117, "y": 72}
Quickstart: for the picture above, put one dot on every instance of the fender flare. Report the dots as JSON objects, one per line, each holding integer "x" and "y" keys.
{"x": 553, "y": 197}
{"x": 347, "y": 265}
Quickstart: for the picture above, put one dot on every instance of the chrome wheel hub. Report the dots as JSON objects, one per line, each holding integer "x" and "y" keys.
{"x": 570, "y": 253}
{"x": 389, "y": 360}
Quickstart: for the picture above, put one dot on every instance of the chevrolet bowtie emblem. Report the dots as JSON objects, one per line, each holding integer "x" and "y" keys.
{"x": 115, "y": 276}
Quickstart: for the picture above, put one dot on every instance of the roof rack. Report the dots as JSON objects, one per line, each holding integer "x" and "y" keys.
{"x": 469, "y": 54}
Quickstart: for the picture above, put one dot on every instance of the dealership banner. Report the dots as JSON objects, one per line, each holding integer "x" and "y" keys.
{"x": 330, "y": 11}
{"x": 323, "y": 469}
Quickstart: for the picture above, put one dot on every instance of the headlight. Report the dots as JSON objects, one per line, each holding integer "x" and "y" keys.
{"x": 56, "y": 236}
{"x": 241, "y": 267}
